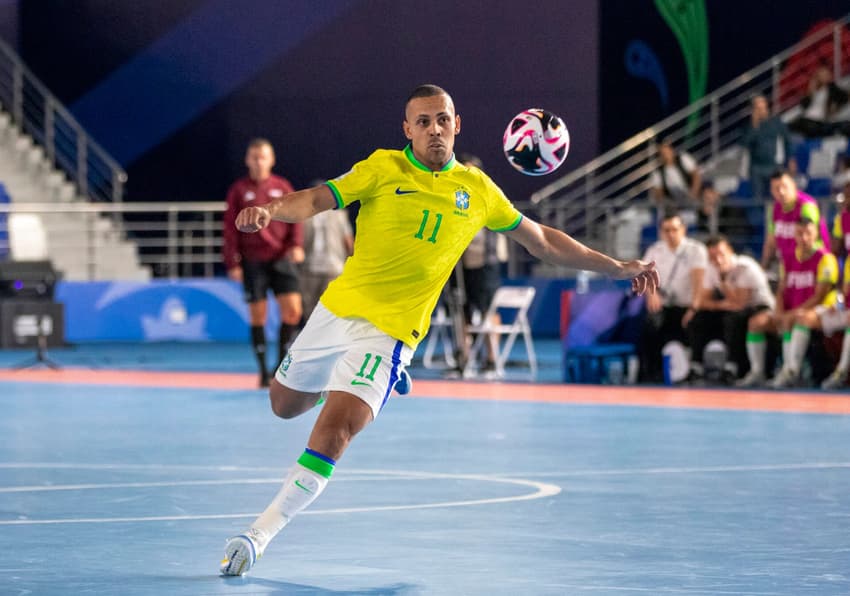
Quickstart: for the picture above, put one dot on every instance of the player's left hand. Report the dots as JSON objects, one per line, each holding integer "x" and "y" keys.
{"x": 644, "y": 276}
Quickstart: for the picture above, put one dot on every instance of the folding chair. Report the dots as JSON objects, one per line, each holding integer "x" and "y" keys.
{"x": 506, "y": 298}
{"x": 440, "y": 333}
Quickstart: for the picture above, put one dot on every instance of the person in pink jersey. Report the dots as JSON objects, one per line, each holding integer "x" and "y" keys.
{"x": 267, "y": 260}
{"x": 807, "y": 279}
{"x": 789, "y": 205}
{"x": 829, "y": 319}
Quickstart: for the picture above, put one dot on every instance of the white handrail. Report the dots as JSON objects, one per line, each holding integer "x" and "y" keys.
{"x": 722, "y": 114}
{"x": 38, "y": 113}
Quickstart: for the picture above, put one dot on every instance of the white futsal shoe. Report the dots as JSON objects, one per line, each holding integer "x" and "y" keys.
{"x": 242, "y": 552}
{"x": 751, "y": 379}
{"x": 785, "y": 379}
{"x": 835, "y": 380}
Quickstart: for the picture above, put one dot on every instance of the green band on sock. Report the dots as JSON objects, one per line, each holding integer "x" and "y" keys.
{"x": 802, "y": 328}
{"x": 786, "y": 336}
{"x": 755, "y": 337}
{"x": 317, "y": 465}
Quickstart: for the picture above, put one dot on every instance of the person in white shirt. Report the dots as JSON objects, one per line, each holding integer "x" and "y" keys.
{"x": 822, "y": 110}
{"x": 734, "y": 288}
{"x": 676, "y": 183}
{"x": 328, "y": 242}
{"x": 681, "y": 264}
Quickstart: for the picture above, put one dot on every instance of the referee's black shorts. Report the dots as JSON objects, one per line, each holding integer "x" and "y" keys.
{"x": 281, "y": 277}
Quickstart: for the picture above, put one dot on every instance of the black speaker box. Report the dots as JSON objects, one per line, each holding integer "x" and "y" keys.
{"x": 31, "y": 280}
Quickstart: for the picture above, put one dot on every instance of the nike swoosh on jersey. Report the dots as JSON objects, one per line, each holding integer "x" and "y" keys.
{"x": 399, "y": 191}
{"x": 356, "y": 382}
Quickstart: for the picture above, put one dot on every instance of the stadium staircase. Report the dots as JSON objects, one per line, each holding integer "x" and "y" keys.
{"x": 593, "y": 202}
{"x": 47, "y": 157}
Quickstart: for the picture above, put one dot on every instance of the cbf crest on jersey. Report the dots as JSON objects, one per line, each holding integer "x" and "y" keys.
{"x": 462, "y": 199}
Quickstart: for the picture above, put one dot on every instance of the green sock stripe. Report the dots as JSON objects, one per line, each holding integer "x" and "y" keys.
{"x": 755, "y": 337}
{"x": 317, "y": 465}
{"x": 786, "y": 336}
{"x": 802, "y": 328}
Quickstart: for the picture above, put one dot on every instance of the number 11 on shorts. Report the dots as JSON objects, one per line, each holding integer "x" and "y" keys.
{"x": 371, "y": 376}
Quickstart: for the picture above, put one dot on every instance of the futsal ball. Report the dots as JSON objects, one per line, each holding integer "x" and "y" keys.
{"x": 536, "y": 142}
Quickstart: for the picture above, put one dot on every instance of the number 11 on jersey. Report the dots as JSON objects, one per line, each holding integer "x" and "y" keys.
{"x": 426, "y": 213}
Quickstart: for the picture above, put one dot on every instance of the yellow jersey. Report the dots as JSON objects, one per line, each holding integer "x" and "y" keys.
{"x": 412, "y": 228}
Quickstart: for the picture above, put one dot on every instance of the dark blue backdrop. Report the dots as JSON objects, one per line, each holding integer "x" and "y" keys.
{"x": 741, "y": 35}
{"x": 175, "y": 90}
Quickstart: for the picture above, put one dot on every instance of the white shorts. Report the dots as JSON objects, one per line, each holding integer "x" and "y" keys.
{"x": 339, "y": 354}
{"x": 831, "y": 319}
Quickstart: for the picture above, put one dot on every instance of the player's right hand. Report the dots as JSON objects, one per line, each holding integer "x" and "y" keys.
{"x": 253, "y": 219}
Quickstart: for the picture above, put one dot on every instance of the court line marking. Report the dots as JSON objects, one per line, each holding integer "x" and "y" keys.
{"x": 37, "y": 488}
{"x": 697, "y": 470}
{"x": 541, "y": 490}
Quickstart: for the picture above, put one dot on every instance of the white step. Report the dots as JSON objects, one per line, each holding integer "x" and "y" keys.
{"x": 30, "y": 178}
{"x": 81, "y": 273}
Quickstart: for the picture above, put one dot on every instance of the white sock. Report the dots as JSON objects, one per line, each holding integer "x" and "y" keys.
{"x": 798, "y": 346}
{"x": 844, "y": 360}
{"x": 786, "y": 348}
{"x": 756, "y": 352}
{"x": 306, "y": 481}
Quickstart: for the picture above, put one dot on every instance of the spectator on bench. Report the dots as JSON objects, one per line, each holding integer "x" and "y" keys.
{"x": 734, "y": 289}
{"x": 675, "y": 184}
{"x": 820, "y": 107}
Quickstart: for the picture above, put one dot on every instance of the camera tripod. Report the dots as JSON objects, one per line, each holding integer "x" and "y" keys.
{"x": 41, "y": 356}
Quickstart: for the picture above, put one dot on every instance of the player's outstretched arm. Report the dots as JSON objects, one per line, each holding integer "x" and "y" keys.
{"x": 293, "y": 207}
{"x": 556, "y": 247}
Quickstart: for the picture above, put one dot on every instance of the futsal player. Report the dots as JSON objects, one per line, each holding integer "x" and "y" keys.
{"x": 419, "y": 209}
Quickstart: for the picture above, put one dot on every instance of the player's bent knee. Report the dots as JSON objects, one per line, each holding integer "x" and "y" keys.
{"x": 283, "y": 402}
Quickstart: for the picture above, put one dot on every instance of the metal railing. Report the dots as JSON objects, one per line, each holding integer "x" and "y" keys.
{"x": 173, "y": 239}
{"x": 38, "y": 113}
{"x": 581, "y": 202}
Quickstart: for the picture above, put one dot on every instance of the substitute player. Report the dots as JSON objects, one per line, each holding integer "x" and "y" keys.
{"x": 807, "y": 280}
{"x": 419, "y": 209}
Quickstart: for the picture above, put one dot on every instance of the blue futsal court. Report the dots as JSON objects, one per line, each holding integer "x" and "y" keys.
{"x": 131, "y": 490}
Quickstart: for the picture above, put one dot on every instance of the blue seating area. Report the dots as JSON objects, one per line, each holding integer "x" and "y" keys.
{"x": 816, "y": 159}
{"x": 593, "y": 364}
{"x": 602, "y": 332}
{"x": 4, "y": 224}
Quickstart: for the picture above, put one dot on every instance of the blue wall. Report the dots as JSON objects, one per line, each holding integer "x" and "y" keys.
{"x": 184, "y": 310}
{"x": 213, "y": 309}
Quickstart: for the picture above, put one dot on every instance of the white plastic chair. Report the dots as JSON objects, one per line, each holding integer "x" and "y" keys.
{"x": 518, "y": 299}
{"x": 27, "y": 237}
{"x": 440, "y": 333}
